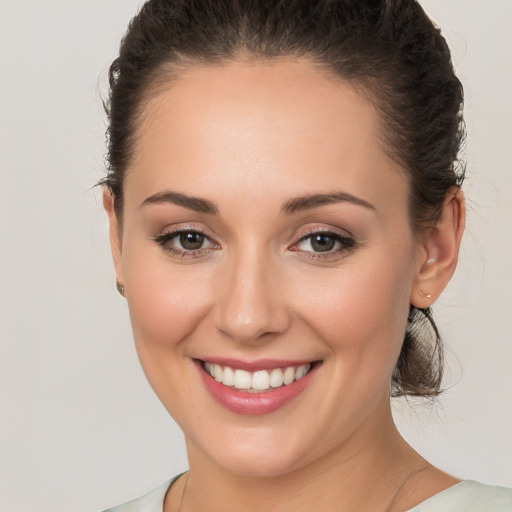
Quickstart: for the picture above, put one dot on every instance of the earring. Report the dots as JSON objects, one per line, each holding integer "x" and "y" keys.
{"x": 426, "y": 295}
{"x": 120, "y": 287}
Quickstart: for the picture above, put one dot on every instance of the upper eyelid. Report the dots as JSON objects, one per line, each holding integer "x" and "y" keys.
{"x": 170, "y": 231}
{"x": 325, "y": 230}
{"x": 168, "y": 234}
{"x": 345, "y": 241}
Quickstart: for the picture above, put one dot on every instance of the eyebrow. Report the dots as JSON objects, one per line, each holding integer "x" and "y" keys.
{"x": 295, "y": 205}
{"x": 308, "y": 202}
{"x": 192, "y": 203}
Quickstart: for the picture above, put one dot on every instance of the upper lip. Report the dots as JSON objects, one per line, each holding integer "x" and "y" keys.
{"x": 255, "y": 364}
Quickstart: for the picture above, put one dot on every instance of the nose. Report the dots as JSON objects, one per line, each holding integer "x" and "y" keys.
{"x": 252, "y": 304}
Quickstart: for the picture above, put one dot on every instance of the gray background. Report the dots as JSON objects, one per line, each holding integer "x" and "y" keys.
{"x": 80, "y": 428}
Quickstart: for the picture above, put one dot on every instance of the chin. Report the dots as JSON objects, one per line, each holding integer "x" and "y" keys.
{"x": 261, "y": 464}
{"x": 255, "y": 452}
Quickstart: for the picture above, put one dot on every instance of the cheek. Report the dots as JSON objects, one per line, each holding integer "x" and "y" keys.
{"x": 360, "y": 309}
{"x": 166, "y": 301}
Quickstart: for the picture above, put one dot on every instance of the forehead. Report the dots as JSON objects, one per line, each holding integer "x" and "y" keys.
{"x": 260, "y": 126}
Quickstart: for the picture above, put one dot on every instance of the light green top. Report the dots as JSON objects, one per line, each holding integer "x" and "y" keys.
{"x": 466, "y": 496}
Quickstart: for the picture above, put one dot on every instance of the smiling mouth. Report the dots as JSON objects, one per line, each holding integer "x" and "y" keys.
{"x": 260, "y": 381}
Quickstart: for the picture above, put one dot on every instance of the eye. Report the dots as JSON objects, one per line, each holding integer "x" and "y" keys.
{"x": 324, "y": 244}
{"x": 191, "y": 240}
{"x": 318, "y": 242}
{"x": 186, "y": 243}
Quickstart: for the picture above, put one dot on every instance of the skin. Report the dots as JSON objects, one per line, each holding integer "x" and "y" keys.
{"x": 249, "y": 137}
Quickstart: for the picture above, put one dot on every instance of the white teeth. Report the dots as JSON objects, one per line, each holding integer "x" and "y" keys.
{"x": 301, "y": 371}
{"x": 228, "y": 378}
{"x": 289, "y": 375}
{"x": 261, "y": 380}
{"x": 276, "y": 378}
{"x": 217, "y": 373}
{"x": 209, "y": 368}
{"x": 242, "y": 379}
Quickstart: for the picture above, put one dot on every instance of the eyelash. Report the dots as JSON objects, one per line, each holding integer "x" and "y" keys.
{"x": 165, "y": 239}
{"x": 346, "y": 244}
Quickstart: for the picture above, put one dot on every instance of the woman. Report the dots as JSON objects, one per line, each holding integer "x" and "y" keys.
{"x": 284, "y": 203}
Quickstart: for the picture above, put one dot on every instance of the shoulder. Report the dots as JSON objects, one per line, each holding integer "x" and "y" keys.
{"x": 151, "y": 502}
{"x": 469, "y": 496}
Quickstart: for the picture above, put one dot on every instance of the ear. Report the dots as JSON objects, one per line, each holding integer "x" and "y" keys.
{"x": 439, "y": 250}
{"x": 115, "y": 233}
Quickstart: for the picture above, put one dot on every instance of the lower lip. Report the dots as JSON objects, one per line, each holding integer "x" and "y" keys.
{"x": 243, "y": 402}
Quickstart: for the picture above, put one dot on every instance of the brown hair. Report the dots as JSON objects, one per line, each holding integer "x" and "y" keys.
{"x": 389, "y": 50}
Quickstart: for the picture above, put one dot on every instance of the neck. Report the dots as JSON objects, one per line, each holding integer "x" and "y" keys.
{"x": 376, "y": 458}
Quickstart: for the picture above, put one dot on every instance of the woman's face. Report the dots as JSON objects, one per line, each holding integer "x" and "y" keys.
{"x": 266, "y": 233}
